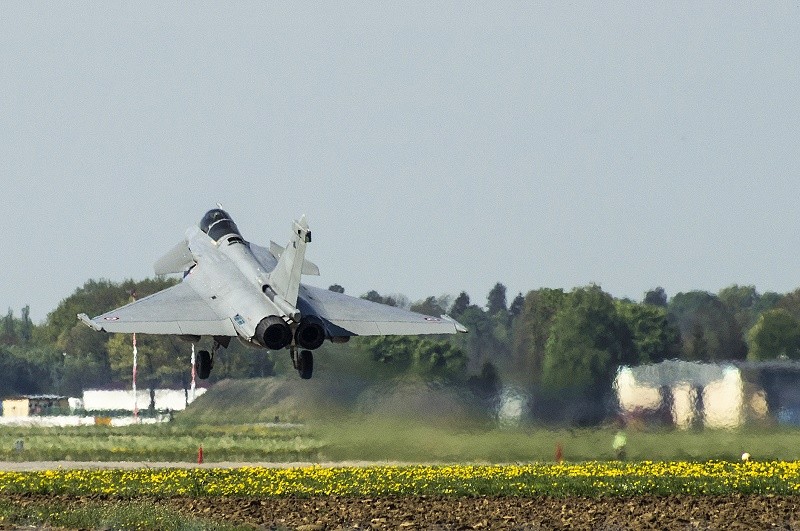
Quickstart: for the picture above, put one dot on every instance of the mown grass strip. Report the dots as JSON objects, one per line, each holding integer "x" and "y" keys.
{"x": 159, "y": 443}
{"x": 118, "y": 514}
{"x": 582, "y": 479}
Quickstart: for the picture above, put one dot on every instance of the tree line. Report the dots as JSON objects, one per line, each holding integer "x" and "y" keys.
{"x": 560, "y": 346}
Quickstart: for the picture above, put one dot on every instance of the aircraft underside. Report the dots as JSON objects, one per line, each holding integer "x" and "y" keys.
{"x": 302, "y": 359}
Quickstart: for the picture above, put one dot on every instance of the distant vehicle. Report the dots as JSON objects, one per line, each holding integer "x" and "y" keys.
{"x": 233, "y": 288}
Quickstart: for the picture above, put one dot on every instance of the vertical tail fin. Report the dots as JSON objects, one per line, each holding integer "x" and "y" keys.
{"x": 285, "y": 278}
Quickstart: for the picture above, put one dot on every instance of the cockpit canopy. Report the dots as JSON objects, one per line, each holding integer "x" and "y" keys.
{"x": 217, "y": 224}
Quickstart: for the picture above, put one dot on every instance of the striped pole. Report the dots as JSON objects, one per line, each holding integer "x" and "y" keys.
{"x": 135, "y": 397}
{"x": 194, "y": 374}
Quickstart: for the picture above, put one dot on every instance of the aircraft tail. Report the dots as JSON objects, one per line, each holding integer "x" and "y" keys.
{"x": 285, "y": 278}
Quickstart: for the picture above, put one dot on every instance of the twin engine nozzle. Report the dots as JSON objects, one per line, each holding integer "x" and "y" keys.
{"x": 275, "y": 334}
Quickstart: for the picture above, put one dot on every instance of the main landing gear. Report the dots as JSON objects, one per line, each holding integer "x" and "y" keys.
{"x": 203, "y": 364}
{"x": 303, "y": 361}
{"x": 205, "y": 360}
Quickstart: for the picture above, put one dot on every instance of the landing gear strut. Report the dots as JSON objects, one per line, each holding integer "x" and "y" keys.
{"x": 303, "y": 361}
{"x": 205, "y": 361}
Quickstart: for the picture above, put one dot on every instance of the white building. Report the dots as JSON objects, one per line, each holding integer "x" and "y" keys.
{"x": 115, "y": 400}
{"x": 689, "y": 393}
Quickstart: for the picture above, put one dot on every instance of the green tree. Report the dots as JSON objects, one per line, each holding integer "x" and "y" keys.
{"x": 9, "y": 336}
{"x": 427, "y": 357}
{"x": 500, "y": 343}
{"x": 374, "y": 296}
{"x": 655, "y": 337}
{"x": 26, "y": 325}
{"x": 79, "y": 372}
{"x": 394, "y": 350}
{"x": 479, "y": 344}
{"x": 459, "y": 306}
{"x": 19, "y": 374}
{"x": 744, "y": 302}
{"x": 336, "y": 288}
{"x": 82, "y": 343}
{"x": 496, "y": 301}
{"x": 489, "y": 338}
{"x": 588, "y": 342}
{"x": 775, "y": 335}
{"x": 532, "y": 331}
{"x": 440, "y": 359}
{"x": 429, "y": 306}
{"x": 791, "y": 303}
{"x": 768, "y": 301}
{"x": 736, "y": 296}
{"x": 696, "y": 347}
{"x": 705, "y": 321}
{"x": 517, "y": 305}
{"x": 95, "y": 297}
{"x": 656, "y": 297}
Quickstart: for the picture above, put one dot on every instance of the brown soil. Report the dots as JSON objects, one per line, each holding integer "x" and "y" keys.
{"x": 439, "y": 512}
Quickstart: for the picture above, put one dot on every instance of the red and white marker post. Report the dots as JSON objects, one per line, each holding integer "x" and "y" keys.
{"x": 194, "y": 375}
{"x": 135, "y": 396}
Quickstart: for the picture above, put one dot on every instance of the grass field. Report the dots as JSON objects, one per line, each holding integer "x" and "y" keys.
{"x": 371, "y": 439}
{"x": 159, "y": 442}
{"x": 95, "y": 514}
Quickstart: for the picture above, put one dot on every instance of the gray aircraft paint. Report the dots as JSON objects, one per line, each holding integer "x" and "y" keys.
{"x": 231, "y": 286}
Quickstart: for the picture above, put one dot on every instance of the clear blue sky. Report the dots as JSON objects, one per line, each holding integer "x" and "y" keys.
{"x": 435, "y": 146}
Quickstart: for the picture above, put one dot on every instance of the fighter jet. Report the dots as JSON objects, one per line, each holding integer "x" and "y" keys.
{"x": 234, "y": 288}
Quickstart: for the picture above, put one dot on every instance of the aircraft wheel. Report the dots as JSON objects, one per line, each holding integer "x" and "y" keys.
{"x": 204, "y": 364}
{"x": 305, "y": 364}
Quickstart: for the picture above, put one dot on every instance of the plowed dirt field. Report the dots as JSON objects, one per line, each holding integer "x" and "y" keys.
{"x": 434, "y": 512}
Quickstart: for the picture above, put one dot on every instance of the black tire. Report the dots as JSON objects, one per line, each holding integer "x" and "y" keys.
{"x": 203, "y": 364}
{"x": 305, "y": 364}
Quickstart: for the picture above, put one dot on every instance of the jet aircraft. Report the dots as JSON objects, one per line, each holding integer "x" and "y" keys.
{"x": 234, "y": 288}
